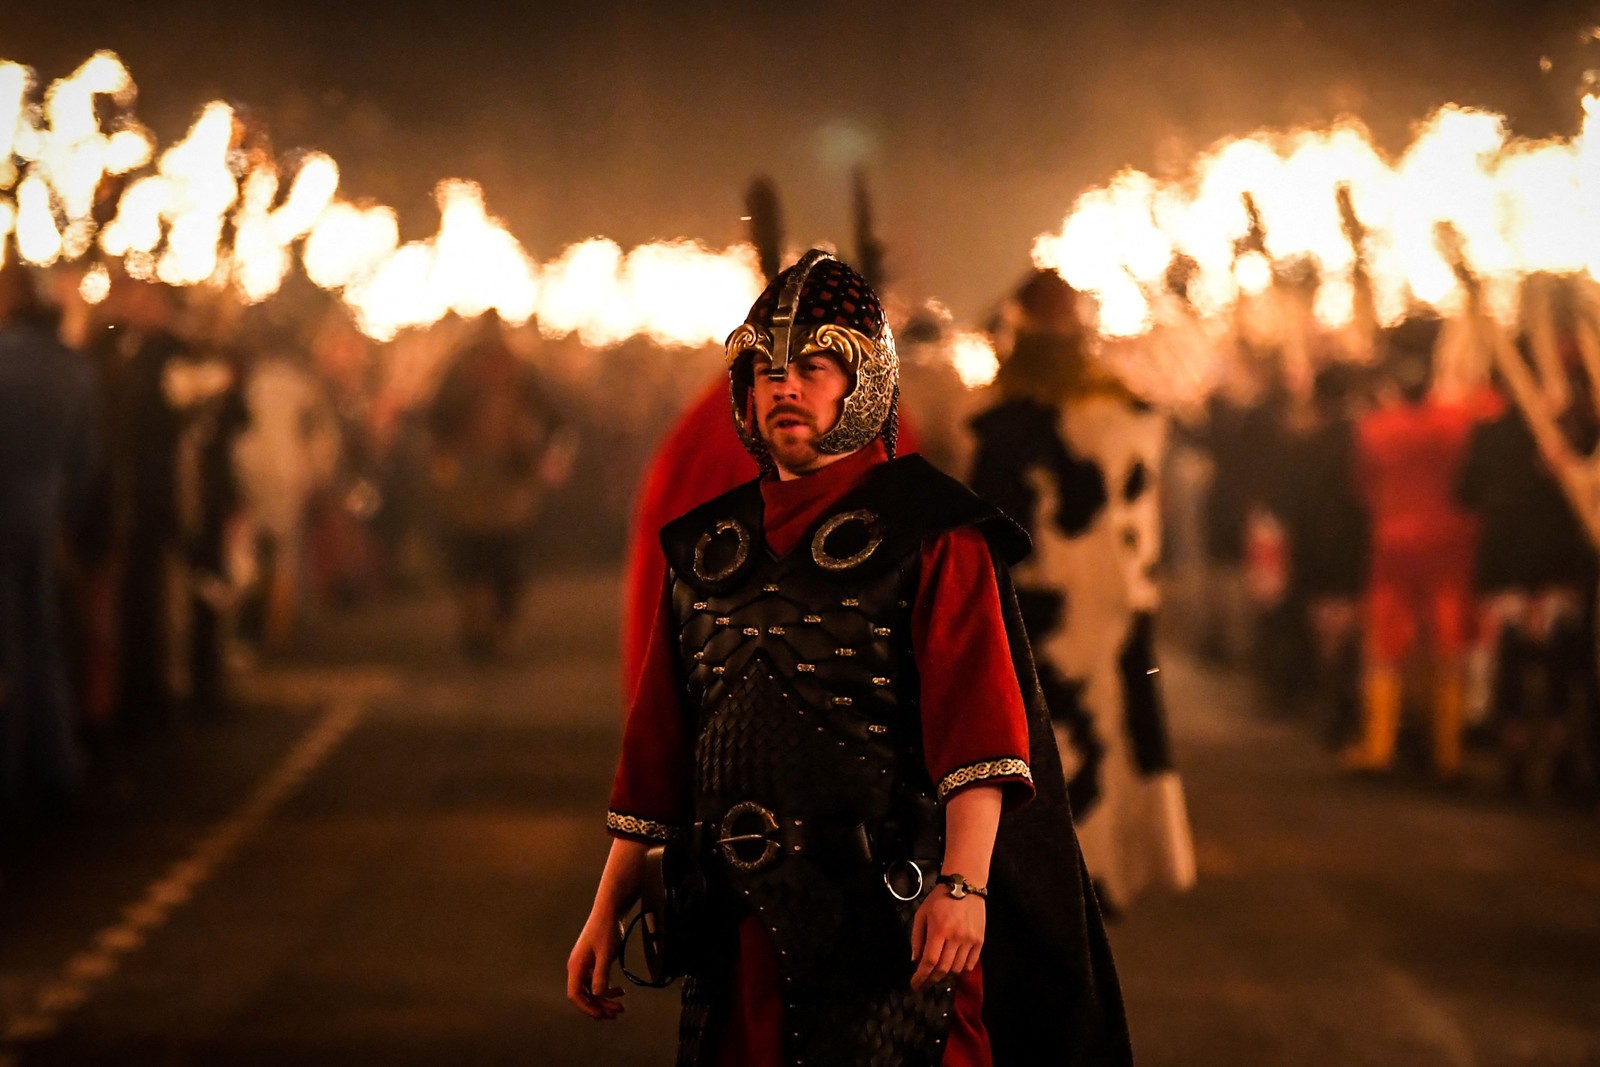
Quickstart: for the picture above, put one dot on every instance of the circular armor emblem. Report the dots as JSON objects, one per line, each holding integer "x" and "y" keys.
{"x": 741, "y": 551}
{"x": 871, "y": 532}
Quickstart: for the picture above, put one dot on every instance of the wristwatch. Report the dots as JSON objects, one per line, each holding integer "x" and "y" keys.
{"x": 960, "y": 887}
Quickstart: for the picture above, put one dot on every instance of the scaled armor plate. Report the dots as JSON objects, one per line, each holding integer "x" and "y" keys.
{"x": 809, "y": 770}
{"x": 800, "y": 675}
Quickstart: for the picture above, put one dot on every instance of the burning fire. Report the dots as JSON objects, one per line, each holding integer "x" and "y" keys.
{"x": 95, "y": 285}
{"x": 219, "y": 213}
{"x": 1328, "y": 207}
{"x": 973, "y": 357}
{"x": 471, "y": 266}
{"x": 1319, "y": 213}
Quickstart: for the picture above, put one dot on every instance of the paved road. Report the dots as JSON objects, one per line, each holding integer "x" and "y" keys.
{"x": 382, "y": 857}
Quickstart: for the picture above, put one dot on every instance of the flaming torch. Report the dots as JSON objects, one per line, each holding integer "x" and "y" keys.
{"x": 1365, "y": 223}
{"x": 1579, "y": 476}
{"x": 212, "y": 213}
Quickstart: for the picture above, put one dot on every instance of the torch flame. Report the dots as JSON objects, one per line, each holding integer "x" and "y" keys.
{"x": 1365, "y": 227}
{"x": 1588, "y": 175}
{"x": 171, "y": 225}
{"x": 95, "y": 285}
{"x": 38, "y": 240}
{"x": 674, "y": 292}
{"x": 348, "y": 243}
{"x": 15, "y": 81}
{"x": 310, "y": 195}
{"x": 202, "y": 188}
{"x": 471, "y": 266}
{"x": 974, "y": 359}
{"x": 263, "y": 237}
{"x": 128, "y": 150}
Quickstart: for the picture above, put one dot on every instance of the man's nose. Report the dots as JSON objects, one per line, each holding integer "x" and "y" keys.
{"x": 782, "y": 384}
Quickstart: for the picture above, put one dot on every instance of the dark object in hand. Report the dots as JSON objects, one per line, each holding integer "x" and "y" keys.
{"x": 670, "y": 900}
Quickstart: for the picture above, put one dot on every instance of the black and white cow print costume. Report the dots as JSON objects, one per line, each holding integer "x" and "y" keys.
{"x": 1082, "y": 477}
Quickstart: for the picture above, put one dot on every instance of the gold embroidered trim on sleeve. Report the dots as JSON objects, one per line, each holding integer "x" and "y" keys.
{"x": 637, "y": 827}
{"x": 979, "y": 772}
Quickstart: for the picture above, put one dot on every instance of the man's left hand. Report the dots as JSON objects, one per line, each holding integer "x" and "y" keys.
{"x": 946, "y": 937}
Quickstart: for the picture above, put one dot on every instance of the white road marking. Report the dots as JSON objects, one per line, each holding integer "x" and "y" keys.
{"x": 76, "y": 982}
{"x": 1430, "y": 1015}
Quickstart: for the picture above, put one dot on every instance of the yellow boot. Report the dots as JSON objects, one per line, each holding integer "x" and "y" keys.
{"x": 1449, "y": 712}
{"x": 1375, "y": 750}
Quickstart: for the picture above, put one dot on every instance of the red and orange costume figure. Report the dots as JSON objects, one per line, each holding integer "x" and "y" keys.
{"x": 1409, "y": 454}
{"x": 836, "y": 669}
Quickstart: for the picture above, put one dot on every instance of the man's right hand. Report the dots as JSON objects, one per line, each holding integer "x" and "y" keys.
{"x": 589, "y": 969}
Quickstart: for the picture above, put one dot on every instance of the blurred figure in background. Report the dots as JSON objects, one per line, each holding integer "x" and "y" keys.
{"x": 496, "y": 448}
{"x": 48, "y": 425}
{"x": 1409, "y": 455}
{"x": 1240, "y": 430}
{"x": 93, "y": 582}
{"x": 285, "y": 457}
{"x": 209, "y": 390}
{"x": 1073, "y": 457}
{"x": 1276, "y": 626}
{"x": 346, "y": 560}
{"x": 1328, "y": 542}
{"x": 1535, "y": 571}
{"x": 147, "y": 426}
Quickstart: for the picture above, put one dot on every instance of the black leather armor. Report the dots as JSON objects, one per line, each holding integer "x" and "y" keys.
{"x": 812, "y": 795}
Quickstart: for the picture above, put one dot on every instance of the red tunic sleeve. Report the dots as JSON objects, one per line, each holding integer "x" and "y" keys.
{"x": 974, "y": 722}
{"x": 651, "y": 796}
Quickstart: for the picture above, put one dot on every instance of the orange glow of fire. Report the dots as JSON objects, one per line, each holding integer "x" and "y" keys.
{"x": 973, "y": 357}
{"x": 262, "y": 252}
{"x": 95, "y": 285}
{"x": 1519, "y": 208}
{"x": 171, "y": 224}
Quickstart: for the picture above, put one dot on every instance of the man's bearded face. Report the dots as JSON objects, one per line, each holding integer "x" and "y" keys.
{"x": 791, "y": 414}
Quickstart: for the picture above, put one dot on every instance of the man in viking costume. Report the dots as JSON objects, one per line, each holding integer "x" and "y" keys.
{"x": 838, "y": 720}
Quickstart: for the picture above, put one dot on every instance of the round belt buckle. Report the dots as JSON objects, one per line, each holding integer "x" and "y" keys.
{"x": 888, "y": 880}
{"x": 731, "y": 839}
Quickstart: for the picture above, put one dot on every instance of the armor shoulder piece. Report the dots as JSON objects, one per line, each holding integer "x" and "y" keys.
{"x": 914, "y": 494}
{"x": 712, "y": 546}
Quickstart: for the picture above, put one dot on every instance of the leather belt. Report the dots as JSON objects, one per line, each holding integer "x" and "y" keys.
{"x": 751, "y": 837}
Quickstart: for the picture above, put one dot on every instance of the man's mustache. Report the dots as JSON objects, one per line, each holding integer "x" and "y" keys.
{"x": 789, "y": 411}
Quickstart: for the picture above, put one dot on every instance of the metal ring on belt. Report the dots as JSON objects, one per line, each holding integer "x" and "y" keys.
{"x": 888, "y": 881}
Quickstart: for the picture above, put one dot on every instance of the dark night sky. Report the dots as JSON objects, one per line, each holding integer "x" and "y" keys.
{"x": 979, "y": 123}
